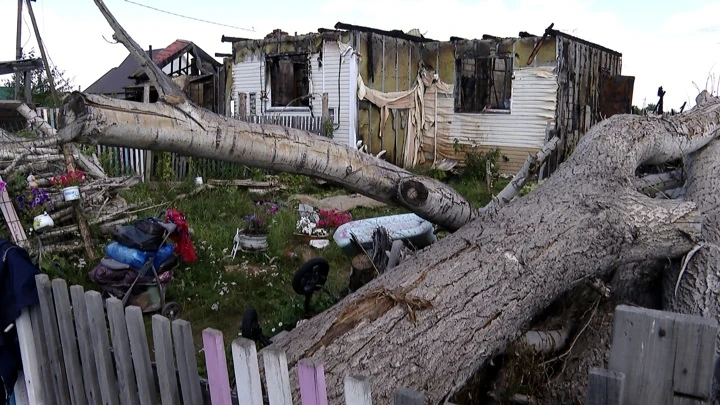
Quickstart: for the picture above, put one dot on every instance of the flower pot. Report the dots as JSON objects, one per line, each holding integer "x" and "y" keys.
{"x": 307, "y": 238}
{"x": 71, "y": 193}
{"x": 254, "y": 243}
{"x": 43, "y": 221}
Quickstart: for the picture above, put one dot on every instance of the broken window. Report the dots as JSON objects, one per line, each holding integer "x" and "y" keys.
{"x": 289, "y": 80}
{"x": 483, "y": 84}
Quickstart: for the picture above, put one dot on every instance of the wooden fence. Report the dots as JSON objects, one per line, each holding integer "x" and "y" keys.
{"x": 656, "y": 358}
{"x": 70, "y": 358}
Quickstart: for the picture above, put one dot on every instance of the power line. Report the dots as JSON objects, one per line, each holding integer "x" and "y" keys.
{"x": 190, "y": 18}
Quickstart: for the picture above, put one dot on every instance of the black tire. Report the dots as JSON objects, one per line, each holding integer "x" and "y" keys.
{"x": 171, "y": 310}
{"x": 250, "y": 327}
{"x": 311, "y": 276}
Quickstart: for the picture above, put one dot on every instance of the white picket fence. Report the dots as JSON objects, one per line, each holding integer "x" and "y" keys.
{"x": 68, "y": 358}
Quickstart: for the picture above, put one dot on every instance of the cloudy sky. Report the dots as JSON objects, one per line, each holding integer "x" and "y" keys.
{"x": 665, "y": 43}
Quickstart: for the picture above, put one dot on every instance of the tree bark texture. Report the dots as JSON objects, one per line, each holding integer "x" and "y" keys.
{"x": 193, "y": 131}
{"x": 696, "y": 290}
{"x": 474, "y": 292}
{"x": 434, "y": 320}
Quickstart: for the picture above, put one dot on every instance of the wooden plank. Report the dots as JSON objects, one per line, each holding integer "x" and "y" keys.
{"x": 121, "y": 350}
{"x": 164, "y": 360}
{"x": 42, "y": 353}
{"x": 247, "y": 372}
{"x": 31, "y": 379}
{"x": 87, "y": 356}
{"x": 605, "y": 387}
{"x": 645, "y": 347}
{"x": 311, "y": 376}
{"x": 141, "y": 356}
{"x": 216, "y": 365}
{"x": 187, "y": 362}
{"x": 407, "y": 396}
{"x": 695, "y": 355}
{"x": 55, "y": 355}
{"x": 101, "y": 347}
{"x": 357, "y": 390}
{"x": 68, "y": 340}
{"x": 11, "y": 219}
{"x": 20, "y": 392}
{"x": 277, "y": 378}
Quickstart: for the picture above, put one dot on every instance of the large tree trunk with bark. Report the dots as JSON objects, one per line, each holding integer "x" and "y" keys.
{"x": 433, "y": 321}
{"x": 694, "y": 286}
{"x": 436, "y": 319}
{"x": 190, "y": 130}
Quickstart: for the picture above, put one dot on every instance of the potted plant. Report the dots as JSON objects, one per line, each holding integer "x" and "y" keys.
{"x": 253, "y": 236}
{"x": 308, "y": 230}
{"x": 36, "y": 202}
{"x": 70, "y": 184}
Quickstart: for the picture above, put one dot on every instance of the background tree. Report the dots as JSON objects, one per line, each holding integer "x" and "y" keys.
{"x": 40, "y": 86}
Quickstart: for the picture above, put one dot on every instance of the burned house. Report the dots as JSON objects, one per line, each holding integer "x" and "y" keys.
{"x": 194, "y": 70}
{"x": 419, "y": 101}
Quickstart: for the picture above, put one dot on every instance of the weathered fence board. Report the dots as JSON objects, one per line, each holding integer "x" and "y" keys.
{"x": 68, "y": 341}
{"x": 31, "y": 378}
{"x": 55, "y": 355}
{"x": 101, "y": 347}
{"x": 277, "y": 376}
{"x": 216, "y": 367}
{"x": 186, "y": 362}
{"x": 141, "y": 356}
{"x": 87, "y": 356}
{"x": 247, "y": 372}
{"x": 649, "y": 346}
{"x": 164, "y": 360}
{"x": 605, "y": 387}
{"x": 41, "y": 350}
{"x": 357, "y": 390}
{"x": 121, "y": 350}
{"x": 407, "y": 396}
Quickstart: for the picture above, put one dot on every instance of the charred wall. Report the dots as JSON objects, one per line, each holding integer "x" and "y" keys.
{"x": 584, "y": 69}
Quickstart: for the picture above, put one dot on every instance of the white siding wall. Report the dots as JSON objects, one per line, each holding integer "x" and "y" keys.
{"x": 534, "y": 96}
{"x": 249, "y": 77}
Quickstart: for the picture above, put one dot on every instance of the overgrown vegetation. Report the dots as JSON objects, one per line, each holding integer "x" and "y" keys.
{"x": 39, "y": 84}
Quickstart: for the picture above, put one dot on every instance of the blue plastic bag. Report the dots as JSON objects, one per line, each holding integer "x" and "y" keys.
{"x": 136, "y": 258}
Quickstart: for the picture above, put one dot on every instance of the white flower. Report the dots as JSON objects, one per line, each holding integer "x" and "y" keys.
{"x": 215, "y": 306}
{"x": 280, "y": 324}
{"x": 273, "y": 329}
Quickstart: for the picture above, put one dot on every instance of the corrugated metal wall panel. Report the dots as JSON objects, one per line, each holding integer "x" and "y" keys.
{"x": 249, "y": 76}
{"x": 534, "y": 95}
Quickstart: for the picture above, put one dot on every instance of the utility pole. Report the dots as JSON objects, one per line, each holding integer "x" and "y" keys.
{"x": 51, "y": 81}
{"x": 18, "y": 48}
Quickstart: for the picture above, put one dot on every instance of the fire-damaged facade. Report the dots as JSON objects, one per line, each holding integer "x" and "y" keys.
{"x": 418, "y": 101}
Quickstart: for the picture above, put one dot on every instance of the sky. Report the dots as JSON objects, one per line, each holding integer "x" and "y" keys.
{"x": 664, "y": 42}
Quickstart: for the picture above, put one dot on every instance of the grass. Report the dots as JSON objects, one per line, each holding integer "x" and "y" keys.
{"x": 214, "y": 291}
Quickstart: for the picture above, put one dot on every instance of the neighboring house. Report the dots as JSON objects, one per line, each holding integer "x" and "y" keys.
{"x": 422, "y": 101}
{"x": 194, "y": 70}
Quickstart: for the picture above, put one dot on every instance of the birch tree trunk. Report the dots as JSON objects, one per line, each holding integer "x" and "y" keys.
{"x": 190, "y": 130}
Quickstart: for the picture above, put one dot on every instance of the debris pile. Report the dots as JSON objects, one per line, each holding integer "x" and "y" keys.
{"x": 61, "y": 191}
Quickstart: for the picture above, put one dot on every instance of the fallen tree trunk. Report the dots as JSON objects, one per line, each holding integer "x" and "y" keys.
{"x": 474, "y": 292}
{"x": 438, "y": 317}
{"x": 187, "y": 129}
